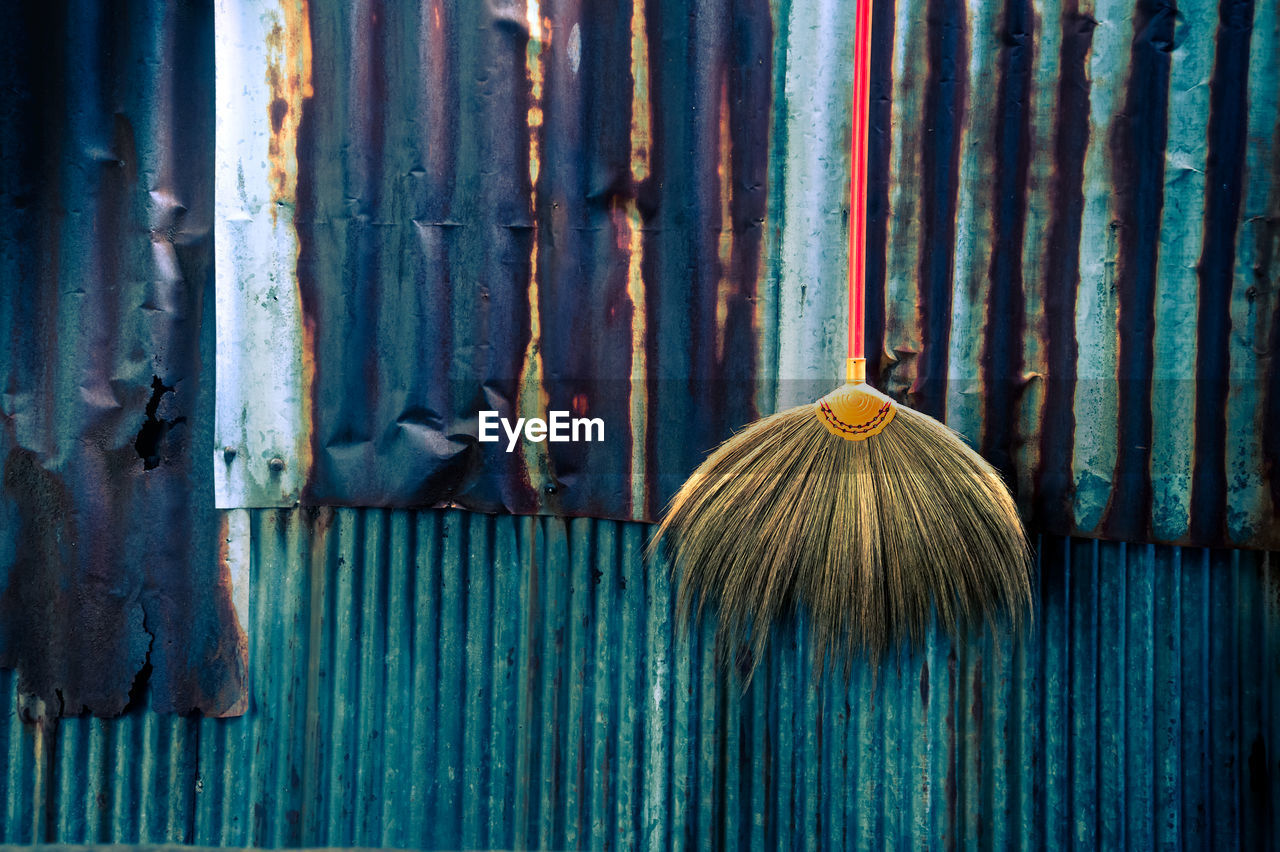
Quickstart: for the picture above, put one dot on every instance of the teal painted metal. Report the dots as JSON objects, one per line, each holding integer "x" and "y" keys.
{"x": 443, "y": 679}
{"x": 1075, "y": 240}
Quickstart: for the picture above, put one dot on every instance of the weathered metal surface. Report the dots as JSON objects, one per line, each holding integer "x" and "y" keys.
{"x": 445, "y": 679}
{"x": 487, "y": 189}
{"x": 109, "y": 543}
{"x": 262, "y": 65}
{"x": 638, "y": 213}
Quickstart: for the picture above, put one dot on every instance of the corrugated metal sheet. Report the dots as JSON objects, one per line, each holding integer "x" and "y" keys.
{"x": 638, "y": 213}
{"x": 443, "y": 679}
{"x": 484, "y": 195}
{"x": 109, "y": 541}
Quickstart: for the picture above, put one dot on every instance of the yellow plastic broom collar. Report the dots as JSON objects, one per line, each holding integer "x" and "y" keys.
{"x": 855, "y": 411}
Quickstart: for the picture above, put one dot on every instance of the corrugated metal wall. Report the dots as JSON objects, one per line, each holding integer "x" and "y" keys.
{"x": 1075, "y": 251}
{"x": 638, "y": 211}
{"x": 444, "y": 679}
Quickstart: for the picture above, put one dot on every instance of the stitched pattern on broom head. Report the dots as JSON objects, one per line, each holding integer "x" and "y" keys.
{"x": 866, "y": 429}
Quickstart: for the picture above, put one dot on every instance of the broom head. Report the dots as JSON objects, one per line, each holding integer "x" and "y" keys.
{"x": 868, "y": 514}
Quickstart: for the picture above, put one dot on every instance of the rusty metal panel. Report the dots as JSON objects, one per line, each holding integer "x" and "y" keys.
{"x": 484, "y": 194}
{"x": 528, "y": 206}
{"x": 445, "y": 679}
{"x": 110, "y": 573}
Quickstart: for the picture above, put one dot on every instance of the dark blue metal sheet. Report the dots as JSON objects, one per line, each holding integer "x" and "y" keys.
{"x": 443, "y": 679}
{"x": 109, "y": 543}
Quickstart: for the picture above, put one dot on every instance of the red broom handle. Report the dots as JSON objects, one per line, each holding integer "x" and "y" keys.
{"x": 858, "y": 182}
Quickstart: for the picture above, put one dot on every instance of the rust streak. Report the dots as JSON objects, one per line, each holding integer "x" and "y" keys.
{"x": 533, "y": 397}
{"x": 289, "y": 80}
{"x": 236, "y": 699}
{"x": 289, "y": 76}
{"x": 630, "y": 230}
{"x": 724, "y": 170}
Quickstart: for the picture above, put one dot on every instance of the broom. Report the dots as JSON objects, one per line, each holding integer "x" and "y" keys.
{"x": 870, "y": 515}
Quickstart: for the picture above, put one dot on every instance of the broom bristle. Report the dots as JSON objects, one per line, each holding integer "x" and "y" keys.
{"x": 870, "y": 537}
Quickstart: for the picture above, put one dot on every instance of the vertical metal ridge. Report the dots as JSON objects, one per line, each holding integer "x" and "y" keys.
{"x": 681, "y": 730}
{"x": 1176, "y": 386}
{"x": 832, "y": 755}
{"x": 768, "y": 313}
{"x": 526, "y": 656}
{"x": 1111, "y": 728}
{"x": 1267, "y": 247}
{"x": 1139, "y": 663}
{"x": 370, "y": 777}
{"x": 553, "y": 804}
{"x": 15, "y": 827}
{"x": 1083, "y": 702}
{"x": 1003, "y": 340}
{"x": 970, "y": 769}
{"x": 1093, "y": 431}
{"x": 630, "y": 683}
{"x": 473, "y": 690}
{"x": 903, "y": 334}
{"x": 1224, "y": 182}
{"x": 1028, "y": 733}
{"x": 602, "y": 769}
{"x": 656, "y": 697}
{"x": 1167, "y": 687}
{"x": 945, "y": 111}
{"x": 1070, "y": 129}
{"x": 451, "y": 688}
{"x": 980, "y": 56}
{"x": 428, "y": 703}
{"x": 1253, "y": 418}
{"x": 1000, "y": 762}
{"x": 1047, "y": 21}
{"x": 1269, "y": 700}
{"x": 934, "y": 680}
{"x": 578, "y": 687}
{"x": 508, "y": 617}
{"x": 879, "y": 182}
{"x": 1137, "y": 146}
{"x": 1259, "y": 787}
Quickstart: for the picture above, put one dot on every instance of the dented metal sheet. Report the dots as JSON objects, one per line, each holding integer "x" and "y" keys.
{"x": 110, "y": 576}
{"x": 530, "y": 206}
{"x": 480, "y": 212}
{"x": 453, "y": 680}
